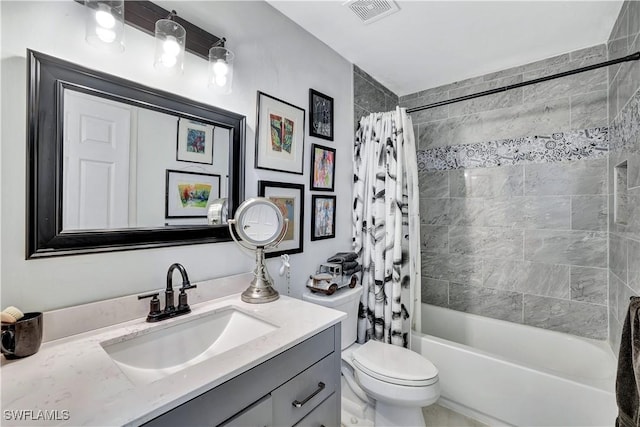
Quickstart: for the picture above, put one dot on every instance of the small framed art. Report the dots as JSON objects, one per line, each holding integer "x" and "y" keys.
{"x": 323, "y": 217}
{"x": 188, "y": 194}
{"x": 195, "y": 142}
{"x": 321, "y": 115}
{"x": 290, "y": 199}
{"x": 323, "y": 168}
{"x": 279, "y": 135}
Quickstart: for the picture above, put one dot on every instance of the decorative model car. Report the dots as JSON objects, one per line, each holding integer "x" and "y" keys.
{"x": 329, "y": 278}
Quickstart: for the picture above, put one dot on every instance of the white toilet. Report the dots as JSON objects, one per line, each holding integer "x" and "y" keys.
{"x": 399, "y": 380}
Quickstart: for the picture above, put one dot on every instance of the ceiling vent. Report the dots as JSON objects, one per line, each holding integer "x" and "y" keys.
{"x": 372, "y": 10}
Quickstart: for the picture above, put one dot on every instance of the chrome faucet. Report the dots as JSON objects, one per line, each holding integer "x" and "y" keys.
{"x": 170, "y": 310}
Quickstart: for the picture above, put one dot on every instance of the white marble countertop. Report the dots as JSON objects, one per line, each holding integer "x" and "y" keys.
{"x": 75, "y": 382}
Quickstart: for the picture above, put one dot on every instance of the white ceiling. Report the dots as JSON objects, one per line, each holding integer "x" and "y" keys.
{"x": 430, "y": 43}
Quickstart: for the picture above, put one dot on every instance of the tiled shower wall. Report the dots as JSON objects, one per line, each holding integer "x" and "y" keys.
{"x": 624, "y": 224}
{"x": 370, "y": 96}
{"x": 515, "y": 226}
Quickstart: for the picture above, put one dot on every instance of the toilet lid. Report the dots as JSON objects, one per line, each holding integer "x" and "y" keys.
{"x": 394, "y": 364}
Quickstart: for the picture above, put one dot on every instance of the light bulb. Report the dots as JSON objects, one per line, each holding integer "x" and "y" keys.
{"x": 107, "y": 36}
{"x": 220, "y": 68}
{"x": 171, "y": 46}
{"x": 221, "y": 80}
{"x": 104, "y": 18}
{"x": 168, "y": 60}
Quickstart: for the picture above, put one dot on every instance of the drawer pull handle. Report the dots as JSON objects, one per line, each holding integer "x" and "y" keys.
{"x": 299, "y": 404}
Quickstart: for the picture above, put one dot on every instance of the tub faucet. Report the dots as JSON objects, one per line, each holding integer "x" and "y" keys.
{"x": 170, "y": 310}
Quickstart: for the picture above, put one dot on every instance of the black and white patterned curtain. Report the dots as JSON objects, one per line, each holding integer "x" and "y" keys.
{"x": 386, "y": 231}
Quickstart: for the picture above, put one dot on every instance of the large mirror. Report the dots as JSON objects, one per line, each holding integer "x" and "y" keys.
{"x": 114, "y": 165}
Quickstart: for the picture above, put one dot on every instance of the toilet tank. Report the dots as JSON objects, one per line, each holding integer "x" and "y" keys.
{"x": 346, "y": 300}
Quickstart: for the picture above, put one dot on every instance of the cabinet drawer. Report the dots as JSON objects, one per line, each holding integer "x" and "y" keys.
{"x": 259, "y": 414}
{"x": 324, "y": 415}
{"x": 297, "y": 397}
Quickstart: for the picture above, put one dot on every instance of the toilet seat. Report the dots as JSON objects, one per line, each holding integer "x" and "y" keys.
{"x": 394, "y": 365}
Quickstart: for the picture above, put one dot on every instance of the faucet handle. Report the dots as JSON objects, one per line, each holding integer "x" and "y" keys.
{"x": 154, "y": 305}
{"x": 182, "y": 297}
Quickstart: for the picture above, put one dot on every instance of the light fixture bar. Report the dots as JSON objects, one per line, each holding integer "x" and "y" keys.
{"x": 143, "y": 14}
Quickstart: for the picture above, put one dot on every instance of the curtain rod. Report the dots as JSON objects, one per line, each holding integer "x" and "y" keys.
{"x": 632, "y": 57}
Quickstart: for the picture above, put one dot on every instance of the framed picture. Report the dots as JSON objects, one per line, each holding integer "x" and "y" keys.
{"x": 323, "y": 167}
{"x": 321, "y": 112}
{"x": 323, "y": 217}
{"x": 195, "y": 142}
{"x": 279, "y": 135}
{"x": 290, "y": 199}
{"x": 188, "y": 194}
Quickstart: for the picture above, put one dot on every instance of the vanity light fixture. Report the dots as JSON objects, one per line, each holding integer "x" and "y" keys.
{"x": 221, "y": 67}
{"x": 105, "y": 24}
{"x": 170, "y": 43}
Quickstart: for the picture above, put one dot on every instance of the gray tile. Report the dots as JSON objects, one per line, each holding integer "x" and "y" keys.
{"x": 598, "y": 51}
{"x": 633, "y": 169}
{"x": 433, "y": 183}
{"x": 487, "y": 182}
{"x": 435, "y": 292}
{"x": 578, "y": 318}
{"x": 628, "y": 82}
{"x": 527, "y": 277}
{"x": 359, "y": 72}
{"x": 589, "y": 213}
{"x": 367, "y": 96}
{"x": 613, "y": 294}
{"x": 453, "y": 267}
{"x": 504, "y": 99}
{"x": 492, "y": 303}
{"x": 615, "y": 333}
{"x": 434, "y": 239}
{"x": 621, "y": 26}
{"x": 430, "y": 114}
{"x": 618, "y": 256}
{"x": 551, "y": 212}
{"x": 571, "y": 178}
{"x": 548, "y": 63}
{"x": 624, "y": 294}
{"x": 585, "y": 82}
{"x": 634, "y": 17}
{"x": 633, "y": 264}
{"x": 581, "y": 248}
{"x": 358, "y": 113}
{"x": 512, "y": 122}
{"x": 589, "y": 110}
{"x": 435, "y": 211}
{"x": 589, "y": 284}
{"x": 616, "y": 49}
{"x": 486, "y": 242}
{"x": 466, "y": 211}
{"x": 613, "y": 97}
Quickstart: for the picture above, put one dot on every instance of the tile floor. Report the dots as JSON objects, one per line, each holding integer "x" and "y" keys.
{"x": 439, "y": 416}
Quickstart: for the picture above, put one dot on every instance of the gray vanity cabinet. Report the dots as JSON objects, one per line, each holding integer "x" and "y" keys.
{"x": 300, "y": 386}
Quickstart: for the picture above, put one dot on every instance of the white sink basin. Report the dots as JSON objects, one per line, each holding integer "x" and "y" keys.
{"x": 161, "y": 351}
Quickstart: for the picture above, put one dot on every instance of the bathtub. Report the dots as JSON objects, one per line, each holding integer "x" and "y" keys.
{"x": 504, "y": 373}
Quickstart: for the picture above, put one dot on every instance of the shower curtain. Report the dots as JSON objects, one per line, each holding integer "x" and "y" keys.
{"x": 386, "y": 231}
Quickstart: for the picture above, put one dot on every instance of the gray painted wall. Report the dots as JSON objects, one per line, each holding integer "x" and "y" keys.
{"x": 527, "y": 242}
{"x": 370, "y": 96}
{"x": 624, "y": 104}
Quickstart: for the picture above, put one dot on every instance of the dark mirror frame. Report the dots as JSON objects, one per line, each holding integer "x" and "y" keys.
{"x": 48, "y": 77}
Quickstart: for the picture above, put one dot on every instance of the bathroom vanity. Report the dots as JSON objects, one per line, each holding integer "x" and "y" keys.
{"x": 226, "y": 363}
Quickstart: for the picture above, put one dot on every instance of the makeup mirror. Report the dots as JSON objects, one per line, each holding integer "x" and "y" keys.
{"x": 260, "y": 225}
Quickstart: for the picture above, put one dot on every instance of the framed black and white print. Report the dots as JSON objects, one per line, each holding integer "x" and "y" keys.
{"x": 290, "y": 199}
{"x": 188, "y": 194}
{"x": 195, "y": 142}
{"x": 321, "y": 112}
{"x": 323, "y": 217}
{"x": 279, "y": 135}
{"x": 323, "y": 167}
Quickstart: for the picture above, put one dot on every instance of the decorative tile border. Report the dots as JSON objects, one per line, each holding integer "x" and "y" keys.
{"x": 558, "y": 147}
{"x": 626, "y": 126}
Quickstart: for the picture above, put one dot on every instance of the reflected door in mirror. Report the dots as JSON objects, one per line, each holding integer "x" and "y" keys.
{"x": 96, "y": 162}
